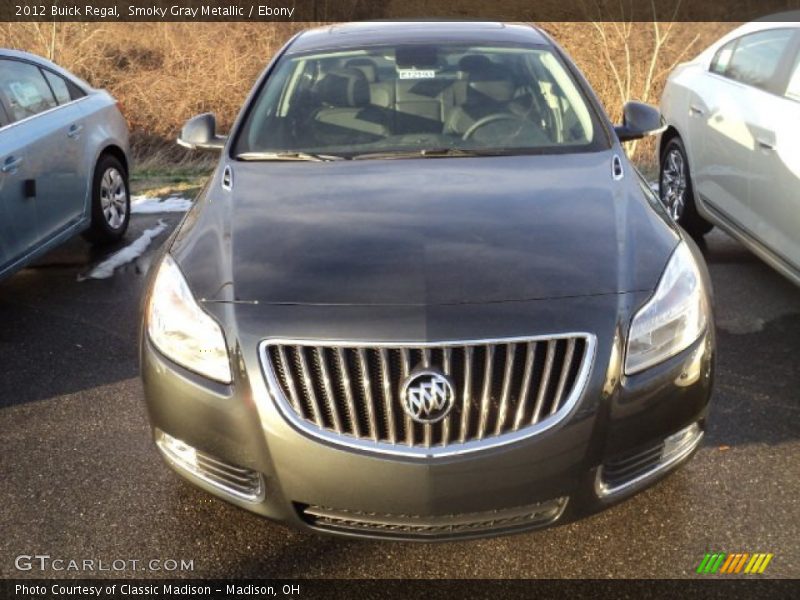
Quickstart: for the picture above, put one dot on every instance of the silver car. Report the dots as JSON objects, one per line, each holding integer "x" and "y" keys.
{"x": 64, "y": 161}
{"x": 731, "y": 154}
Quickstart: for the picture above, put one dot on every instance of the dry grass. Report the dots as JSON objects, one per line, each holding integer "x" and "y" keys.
{"x": 163, "y": 73}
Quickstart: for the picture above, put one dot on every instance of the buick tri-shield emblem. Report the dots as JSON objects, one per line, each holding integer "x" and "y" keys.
{"x": 427, "y": 396}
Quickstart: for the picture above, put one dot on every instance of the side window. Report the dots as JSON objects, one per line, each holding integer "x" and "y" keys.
{"x": 74, "y": 91}
{"x": 793, "y": 89}
{"x": 59, "y": 86}
{"x": 757, "y": 56}
{"x": 722, "y": 58}
{"x": 24, "y": 89}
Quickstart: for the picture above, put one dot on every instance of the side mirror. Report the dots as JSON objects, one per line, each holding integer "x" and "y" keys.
{"x": 201, "y": 132}
{"x": 639, "y": 120}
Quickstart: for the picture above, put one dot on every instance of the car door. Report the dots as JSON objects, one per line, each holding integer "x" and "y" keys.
{"x": 775, "y": 185}
{"x": 21, "y": 100}
{"x": 17, "y": 225}
{"x": 50, "y": 124}
{"x": 4, "y": 220}
{"x": 65, "y": 184}
{"x": 723, "y": 107}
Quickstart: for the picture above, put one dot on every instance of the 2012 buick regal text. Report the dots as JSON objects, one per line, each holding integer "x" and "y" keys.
{"x": 73, "y": 11}
{"x": 425, "y": 295}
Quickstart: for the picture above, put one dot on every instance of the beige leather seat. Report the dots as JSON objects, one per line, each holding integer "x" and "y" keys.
{"x": 347, "y": 117}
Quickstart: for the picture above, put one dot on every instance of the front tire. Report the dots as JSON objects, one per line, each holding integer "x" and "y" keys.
{"x": 675, "y": 189}
{"x": 111, "y": 202}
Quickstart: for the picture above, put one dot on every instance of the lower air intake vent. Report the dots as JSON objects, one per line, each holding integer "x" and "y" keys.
{"x": 619, "y": 472}
{"x": 457, "y": 525}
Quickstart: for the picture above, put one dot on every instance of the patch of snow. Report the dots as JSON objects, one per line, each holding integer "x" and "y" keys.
{"x": 654, "y": 187}
{"x": 128, "y": 254}
{"x": 153, "y": 205}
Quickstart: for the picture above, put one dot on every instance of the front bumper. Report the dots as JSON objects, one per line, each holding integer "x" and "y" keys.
{"x": 557, "y": 474}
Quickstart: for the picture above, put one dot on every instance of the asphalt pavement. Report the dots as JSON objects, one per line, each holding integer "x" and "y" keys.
{"x": 80, "y": 478}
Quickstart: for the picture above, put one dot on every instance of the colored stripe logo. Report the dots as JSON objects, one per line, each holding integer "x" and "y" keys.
{"x": 732, "y": 564}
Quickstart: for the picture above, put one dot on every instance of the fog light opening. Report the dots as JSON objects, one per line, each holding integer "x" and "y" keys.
{"x": 635, "y": 471}
{"x": 231, "y": 480}
{"x": 179, "y": 451}
{"x": 676, "y": 444}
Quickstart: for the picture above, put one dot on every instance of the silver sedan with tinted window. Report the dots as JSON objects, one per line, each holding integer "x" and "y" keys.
{"x": 64, "y": 161}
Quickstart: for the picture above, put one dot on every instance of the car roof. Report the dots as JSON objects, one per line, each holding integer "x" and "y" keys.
{"x": 8, "y": 53}
{"x": 374, "y": 33}
{"x": 790, "y": 19}
{"x": 777, "y": 21}
{"x": 39, "y": 60}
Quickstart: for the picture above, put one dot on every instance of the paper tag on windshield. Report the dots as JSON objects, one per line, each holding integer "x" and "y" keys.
{"x": 416, "y": 73}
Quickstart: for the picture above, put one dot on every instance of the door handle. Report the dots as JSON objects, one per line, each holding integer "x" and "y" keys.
{"x": 11, "y": 164}
{"x": 766, "y": 145}
{"x": 74, "y": 131}
{"x": 696, "y": 110}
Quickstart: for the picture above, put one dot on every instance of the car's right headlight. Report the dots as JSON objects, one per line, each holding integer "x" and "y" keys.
{"x": 183, "y": 331}
{"x": 675, "y": 316}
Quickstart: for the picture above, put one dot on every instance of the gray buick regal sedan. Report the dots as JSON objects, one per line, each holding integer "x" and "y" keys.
{"x": 425, "y": 295}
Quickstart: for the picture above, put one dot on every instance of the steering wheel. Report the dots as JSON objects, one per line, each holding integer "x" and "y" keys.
{"x": 488, "y": 119}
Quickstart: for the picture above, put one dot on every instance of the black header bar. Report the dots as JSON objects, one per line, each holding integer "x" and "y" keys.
{"x": 388, "y": 589}
{"x": 359, "y": 10}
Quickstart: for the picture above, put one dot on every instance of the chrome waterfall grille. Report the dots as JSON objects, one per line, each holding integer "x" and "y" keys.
{"x": 504, "y": 389}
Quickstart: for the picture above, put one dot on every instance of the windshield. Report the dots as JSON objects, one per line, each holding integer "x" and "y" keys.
{"x": 442, "y": 100}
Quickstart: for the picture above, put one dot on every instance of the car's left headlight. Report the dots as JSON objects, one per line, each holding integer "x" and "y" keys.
{"x": 673, "y": 318}
{"x": 183, "y": 331}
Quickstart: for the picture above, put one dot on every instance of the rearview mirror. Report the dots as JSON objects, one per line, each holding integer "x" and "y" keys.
{"x": 639, "y": 120}
{"x": 201, "y": 132}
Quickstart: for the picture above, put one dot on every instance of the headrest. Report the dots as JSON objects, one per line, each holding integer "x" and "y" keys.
{"x": 474, "y": 62}
{"x": 344, "y": 88}
{"x": 492, "y": 80}
{"x": 366, "y": 65}
{"x": 500, "y": 90}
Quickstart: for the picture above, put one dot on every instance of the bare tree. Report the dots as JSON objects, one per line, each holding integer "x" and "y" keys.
{"x": 638, "y": 72}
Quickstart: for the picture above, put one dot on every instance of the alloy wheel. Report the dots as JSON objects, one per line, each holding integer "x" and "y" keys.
{"x": 673, "y": 183}
{"x": 113, "y": 198}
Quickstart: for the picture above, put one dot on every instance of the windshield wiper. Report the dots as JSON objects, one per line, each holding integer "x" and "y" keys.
{"x": 309, "y": 156}
{"x": 425, "y": 153}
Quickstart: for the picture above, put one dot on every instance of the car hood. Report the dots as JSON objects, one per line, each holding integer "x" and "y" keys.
{"x": 424, "y": 232}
